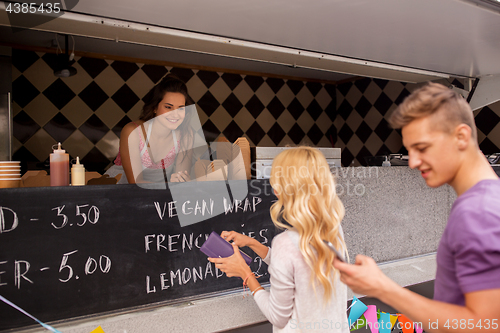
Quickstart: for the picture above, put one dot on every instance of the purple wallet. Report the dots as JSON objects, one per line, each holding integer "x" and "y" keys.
{"x": 217, "y": 247}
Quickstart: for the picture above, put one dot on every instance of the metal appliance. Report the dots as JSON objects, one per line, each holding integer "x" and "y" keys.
{"x": 263, "y": 157}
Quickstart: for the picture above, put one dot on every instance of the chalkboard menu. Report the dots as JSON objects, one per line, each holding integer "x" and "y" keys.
{"x": 73, "y": 251}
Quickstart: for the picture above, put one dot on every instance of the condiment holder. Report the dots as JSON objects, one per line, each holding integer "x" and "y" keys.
{"x": 59, "y": 167}
{"x": 10, "y": 174}
{"x": 77, "y": 173}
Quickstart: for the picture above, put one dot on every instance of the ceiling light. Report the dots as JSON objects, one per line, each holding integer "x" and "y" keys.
{"x": 63, "y": 66}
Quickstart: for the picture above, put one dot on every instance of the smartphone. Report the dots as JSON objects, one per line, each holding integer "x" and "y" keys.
{"x": 337, "y": 254}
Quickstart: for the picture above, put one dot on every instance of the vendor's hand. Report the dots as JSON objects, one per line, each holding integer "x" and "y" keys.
{"x": 237, "y": 238}
{"x": 180, "y": 177}
{"x": 364, "y": 277}
{"x": 234, "y": 265}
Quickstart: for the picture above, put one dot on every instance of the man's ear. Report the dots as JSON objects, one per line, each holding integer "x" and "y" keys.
{"x": 463, "y": 135}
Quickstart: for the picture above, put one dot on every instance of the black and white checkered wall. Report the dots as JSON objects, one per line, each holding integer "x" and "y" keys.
{"x": 86, "y": 112}
{"x": 363, "y": 107}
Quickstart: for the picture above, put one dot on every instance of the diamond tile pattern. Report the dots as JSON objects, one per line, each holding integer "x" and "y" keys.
{"x": 125, "y": 98}
{"x": 255, "y": 132}
{"x": 374, "y": 131}
{"x": 93, "y": 96}
{"x": 295, "y": 108}
{"x": 59, "y": 127}
{"x": 24, "y": 127}
{"x": 22, "y": 60}
{"x": 383, "y": 103}
{"x": 125, "y": 69}
{"x": 295, "y": 86}
{"x": 275, "y": 107}
{"x": 314, "y": 87}
{"x": 255, "y": 106}
{"x": 363, "y": 132}
{"x": 232, "y": 131}
{"x": 94, "y": 129}
{"x": 95, "y": 160}
{"x": 296, "y": 134}
{"x": 237, "y": 94}
{"x": 119, "y": 126}
{"x": 315, "y": 134}
{"x": 59, "y": 93}
{"x": 276, "y": 133}
{"x": 314, "y": 110}
{"x": 23, "y": 92}
{"x": 93, "y": 66}
{"x": 232, "y": 105}
{"x": 154, "y": 72}
{"x": 208, "y": 78}
{"x": 488, "y": 147}
{"x": 486, "y": 120}
{"x": 208, "y": 103}
{"x": 373, "y": 122}
{"x": 232, "y": 80}
{"x": 185, "y": 74}
{"x": 51, "y": 59}
{"x": 210, "y": 131}
{"x": 363, "y": 106}
{"x": 275, "y": 84}
{"x": 254, "y": 82}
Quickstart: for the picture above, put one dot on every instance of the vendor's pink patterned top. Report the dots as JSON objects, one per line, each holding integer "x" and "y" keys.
{"x": 146, "y": 159}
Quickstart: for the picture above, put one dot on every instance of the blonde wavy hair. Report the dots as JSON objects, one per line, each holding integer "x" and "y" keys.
{"x": 308, "y": 202}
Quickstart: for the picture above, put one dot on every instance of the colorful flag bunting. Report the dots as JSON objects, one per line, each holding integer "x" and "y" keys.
{"x": 384, "y": 323}
{"x": 360, "y": 323}
{"x": 371, "y": 318}
{"x": 406, "y": 323}
{"x": 357, "y": 309}
{"x": 393, "y": 319}
{"x": 378, "y": 321}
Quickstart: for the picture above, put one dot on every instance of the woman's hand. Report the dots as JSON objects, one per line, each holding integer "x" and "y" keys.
{"x": 234, "y": 265}
{"x": 180, "y": 177}
{"x": 242, "y": 240}
{"x": 237, "y": 238}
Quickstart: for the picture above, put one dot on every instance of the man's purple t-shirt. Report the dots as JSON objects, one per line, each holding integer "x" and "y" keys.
{"x": 468, "y": 256}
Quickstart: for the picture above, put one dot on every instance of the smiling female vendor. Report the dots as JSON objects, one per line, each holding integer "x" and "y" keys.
{"x": 157, "y": 147}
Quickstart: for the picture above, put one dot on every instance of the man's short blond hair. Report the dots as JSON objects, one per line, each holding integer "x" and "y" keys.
{"x": 435, "y": 99}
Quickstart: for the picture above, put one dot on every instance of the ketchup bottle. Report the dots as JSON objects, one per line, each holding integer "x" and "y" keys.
{"x": 59, "y": 167}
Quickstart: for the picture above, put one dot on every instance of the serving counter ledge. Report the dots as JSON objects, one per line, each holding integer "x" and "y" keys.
{"x": 224, "y": 312}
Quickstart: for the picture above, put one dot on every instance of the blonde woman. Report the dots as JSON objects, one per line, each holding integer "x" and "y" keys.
{"x": 306, "y": 294}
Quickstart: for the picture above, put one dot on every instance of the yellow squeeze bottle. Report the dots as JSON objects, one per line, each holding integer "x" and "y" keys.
{"x": 77, "y": 173}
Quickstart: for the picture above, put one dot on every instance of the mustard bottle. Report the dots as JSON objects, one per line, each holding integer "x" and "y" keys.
{"x": 77, "y": 173}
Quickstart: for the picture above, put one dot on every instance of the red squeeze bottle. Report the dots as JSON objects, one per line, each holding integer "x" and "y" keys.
{"x": 59, "y": 167}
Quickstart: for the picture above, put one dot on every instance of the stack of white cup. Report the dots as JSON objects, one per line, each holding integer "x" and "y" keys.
{"x": 10, "y": 174}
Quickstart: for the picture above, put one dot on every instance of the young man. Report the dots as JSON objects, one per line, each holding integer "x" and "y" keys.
{"x": 439, "y": 132}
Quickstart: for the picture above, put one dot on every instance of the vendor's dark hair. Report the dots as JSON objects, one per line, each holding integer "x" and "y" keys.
{"x": 169, "y": 83}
